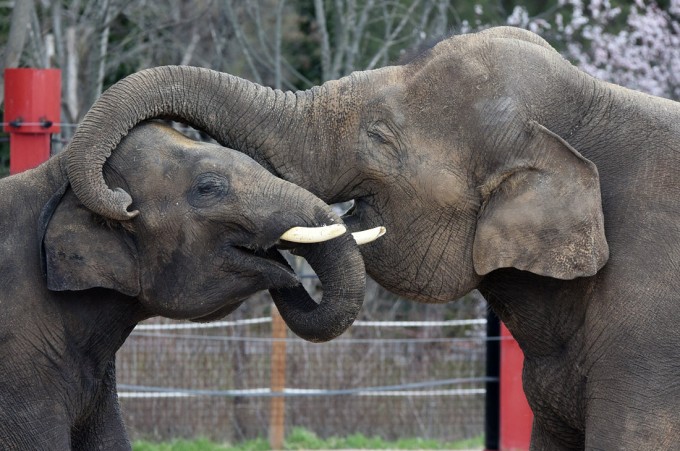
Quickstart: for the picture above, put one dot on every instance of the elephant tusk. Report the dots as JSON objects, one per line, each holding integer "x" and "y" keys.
{"x": 313, "y": 234}
{"x": 366, "y": 236}
{"x": 325, "y": 233}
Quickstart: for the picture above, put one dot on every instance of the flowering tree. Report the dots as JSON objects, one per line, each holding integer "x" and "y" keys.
{"x": 639, "y": 50}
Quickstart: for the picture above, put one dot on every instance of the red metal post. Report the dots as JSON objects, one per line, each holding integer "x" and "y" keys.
{"x": 32, "y": 113}
{"x": 515, "y": 414}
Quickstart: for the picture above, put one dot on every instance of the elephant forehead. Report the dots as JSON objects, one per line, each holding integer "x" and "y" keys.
{"x": 214, "y": 154}
{"x": 158, "y": 173}
{"x": 455, "y": 72}
{"x": 155, "y": 135}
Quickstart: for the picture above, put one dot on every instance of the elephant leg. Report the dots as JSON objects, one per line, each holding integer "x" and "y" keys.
{"x": 33, "y": 435}
{"x": 546, "y": 439}
{"x": 103, "y": 429}
{"x": 630, "y": 421}
{"x": 36, "y": 423}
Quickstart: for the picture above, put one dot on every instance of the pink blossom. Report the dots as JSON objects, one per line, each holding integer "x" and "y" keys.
{"x": 644, "y": 55}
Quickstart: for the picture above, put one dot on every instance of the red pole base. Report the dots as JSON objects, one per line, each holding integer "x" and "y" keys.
{"x": 515, "y": 414}
{"x": 28, "y": 150}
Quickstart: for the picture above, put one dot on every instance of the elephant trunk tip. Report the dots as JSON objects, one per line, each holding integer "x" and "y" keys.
{"x": 339, "y": 267}
{"x": 110, "y": 203}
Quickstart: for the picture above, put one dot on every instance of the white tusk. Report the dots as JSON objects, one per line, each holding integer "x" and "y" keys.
{"x": 366, "y": 236}
{"x": 313, "y": 234}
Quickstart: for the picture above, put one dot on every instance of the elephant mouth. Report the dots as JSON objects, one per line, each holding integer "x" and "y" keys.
{"x": 260, "y": 258}
{"x": 264, "y": 268}
{"x": 357, "y": 216}
{"x": 265, "y": 262}
{"x": 268, "y": 262}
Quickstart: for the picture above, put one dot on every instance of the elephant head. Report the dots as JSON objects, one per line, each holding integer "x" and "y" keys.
{"x": 210, "y": 220}
{"x": 448, "y": 151}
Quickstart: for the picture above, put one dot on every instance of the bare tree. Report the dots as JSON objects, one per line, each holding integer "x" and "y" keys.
{"x": 19, "y": 25}
{"x": 371, "y": 33}
{"x": 73, "y": 36}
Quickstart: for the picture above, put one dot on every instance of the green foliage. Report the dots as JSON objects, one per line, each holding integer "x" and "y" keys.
{"x": 301, "y": 438}
{"x": 178, "y": 445}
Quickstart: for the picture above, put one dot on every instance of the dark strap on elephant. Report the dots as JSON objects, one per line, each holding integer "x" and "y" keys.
{"x": 44, "y": 219}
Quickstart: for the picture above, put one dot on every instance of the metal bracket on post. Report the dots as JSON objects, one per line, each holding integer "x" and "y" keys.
{"x": 32, "y": 114}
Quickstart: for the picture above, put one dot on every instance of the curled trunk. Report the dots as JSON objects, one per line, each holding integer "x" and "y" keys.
{"x": 208, "y": 100}
{"x": 340, "y": 269}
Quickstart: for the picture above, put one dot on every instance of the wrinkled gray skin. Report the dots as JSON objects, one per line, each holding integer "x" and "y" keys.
{"x": 74, "y": 284}
{"x": 493, "y": 163}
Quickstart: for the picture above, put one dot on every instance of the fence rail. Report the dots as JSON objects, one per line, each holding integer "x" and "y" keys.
{"x": 358, "y": 323}
{"x": 135, "y": 391}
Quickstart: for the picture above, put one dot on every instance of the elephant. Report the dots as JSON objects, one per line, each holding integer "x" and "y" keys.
{"x": 75, "y": 283}
{"x": 495, "y": 164}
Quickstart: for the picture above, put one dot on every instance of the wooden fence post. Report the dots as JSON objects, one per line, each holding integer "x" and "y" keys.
{"x": 278, "y": 381}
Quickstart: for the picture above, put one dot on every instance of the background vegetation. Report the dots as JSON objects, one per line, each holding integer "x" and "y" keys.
{"x": 295, "y": 44}
{"x": 301, "y": 438}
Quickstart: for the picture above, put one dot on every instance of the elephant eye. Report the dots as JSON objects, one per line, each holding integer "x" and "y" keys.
{"x": 377, "y": 137}
{"x": 381, "y": 133}
{"x": 207, "y": 189}
{"x": 383, "y": 136}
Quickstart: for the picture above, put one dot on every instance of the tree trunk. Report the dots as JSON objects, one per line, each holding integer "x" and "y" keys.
{"x": 19, "y": 24}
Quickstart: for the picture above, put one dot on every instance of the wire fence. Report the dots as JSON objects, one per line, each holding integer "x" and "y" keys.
{"x": 214, "y": 381}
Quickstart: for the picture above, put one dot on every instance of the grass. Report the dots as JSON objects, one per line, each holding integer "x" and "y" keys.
{"x": 301, "y": 438}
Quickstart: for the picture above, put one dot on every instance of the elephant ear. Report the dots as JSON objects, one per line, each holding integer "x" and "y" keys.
{"x": 81, "y": 251}
{"x": 545, "y": 217}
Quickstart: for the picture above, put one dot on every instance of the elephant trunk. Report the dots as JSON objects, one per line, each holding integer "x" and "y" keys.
{"x": 336, "y": 261}
{"x": 220, "y": 104}
{"x": 340, "y": 268}
{"x": 299, "y": 136}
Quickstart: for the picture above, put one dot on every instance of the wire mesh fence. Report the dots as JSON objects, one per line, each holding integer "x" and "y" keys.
{"x": 379, "y": 379}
